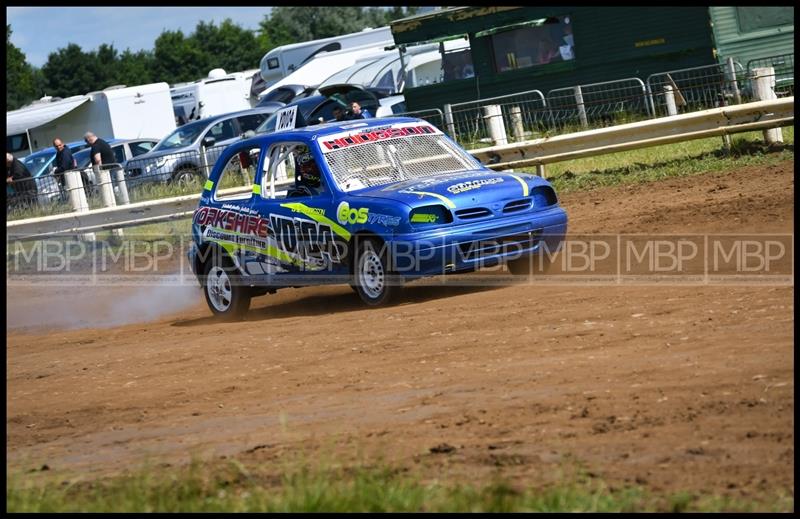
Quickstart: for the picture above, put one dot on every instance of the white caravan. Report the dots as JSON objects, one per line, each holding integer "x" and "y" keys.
{"x": 117, "y": 112}
{"x": 282, "y": 61}
{"x": 219, "y": 93}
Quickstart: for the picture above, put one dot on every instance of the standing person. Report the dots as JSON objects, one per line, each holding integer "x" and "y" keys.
{"x": 21, "y": 182}
{"x": 64, "y": 160}
{"x": 101, "y": 152}
{"x": 358, "y": 112}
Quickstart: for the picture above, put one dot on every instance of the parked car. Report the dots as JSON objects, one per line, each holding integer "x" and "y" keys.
{"x": 177, "y": 157}
{"x": 40, "y": 164}
{"x": 371, "y": 203}
{"x": 286, "y": 94}
{"x": 124, "y": 150}
{"x": 319, "y": 108}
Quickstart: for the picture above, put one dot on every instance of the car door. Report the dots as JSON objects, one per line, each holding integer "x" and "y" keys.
{"x": 307, "y": 240}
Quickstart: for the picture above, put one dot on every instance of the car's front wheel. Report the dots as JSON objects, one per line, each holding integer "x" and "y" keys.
{"x": 372, "y": 279}
{"x": 187, "y": 177}
{"x": 225, "y": 294}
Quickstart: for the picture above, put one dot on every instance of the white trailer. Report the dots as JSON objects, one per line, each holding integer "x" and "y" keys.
{"x": 282, "y": 61}
{"x": 114, "y": 113}
{"x": 219, "y": 93}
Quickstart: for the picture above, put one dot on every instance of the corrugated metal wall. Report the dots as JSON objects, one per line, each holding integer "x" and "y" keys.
{"x": 610, "y": 43}
{"x": 744, "y": 46}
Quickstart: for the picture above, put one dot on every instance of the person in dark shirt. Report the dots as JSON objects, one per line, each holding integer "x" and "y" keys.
{"x": 19, "y": 179}
{"x": 64, "y": 160}
{"x": 101, "y": 153}
{"x": 357, "y": 112}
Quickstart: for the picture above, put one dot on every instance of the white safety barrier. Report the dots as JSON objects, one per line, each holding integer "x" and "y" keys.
{"x": 708, "y": 123}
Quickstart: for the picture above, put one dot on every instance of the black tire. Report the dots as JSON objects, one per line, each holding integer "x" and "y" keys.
{"x": 530, "y": 265}
{"x": 187, "y": 176}
{"x": 372, "y": 279}
{"x": 226, "y": 296}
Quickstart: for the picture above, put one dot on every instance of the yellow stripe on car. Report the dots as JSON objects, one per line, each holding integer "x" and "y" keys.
{"x": 521, "y": 181}
{"x": 209, "y": 185}
{"x": 444, "y": 199}
{"x": 314, "y": 215}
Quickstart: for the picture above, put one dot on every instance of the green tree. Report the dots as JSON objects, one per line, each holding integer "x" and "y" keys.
{"x": 177, "y": 58}
{"x": 70, "y": 71}
{"x": 22, "y": 80}
{"x": 228, "y": 46}
{"x": 135, "y": 68}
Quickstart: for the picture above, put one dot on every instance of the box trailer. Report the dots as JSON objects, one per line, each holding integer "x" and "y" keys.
{"x": 117, "y": 112}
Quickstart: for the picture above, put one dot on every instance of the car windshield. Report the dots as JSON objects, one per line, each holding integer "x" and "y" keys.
{"x": 183, "y": 136}
{"x": 82, "y": 158}
{"x": 378, "y": 156}
{"x": 38, "y": 162}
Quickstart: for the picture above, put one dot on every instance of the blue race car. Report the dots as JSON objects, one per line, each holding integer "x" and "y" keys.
{"x": 372, "y": 203}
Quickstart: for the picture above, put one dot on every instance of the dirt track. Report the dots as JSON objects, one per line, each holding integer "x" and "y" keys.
{"x": 669, "y": 387}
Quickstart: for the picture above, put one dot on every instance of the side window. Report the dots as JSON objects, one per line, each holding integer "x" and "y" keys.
{"x": 291, "y": 171}
{"x": 140, "y": 148}
{"x": 238, "y": 174}
{"x": 250, "y": 122}
{"x": 533, "y": 43}
{"x": 399, "y": 108}
{"x": 223, "y": 130}
{"x": 119, "y": 153}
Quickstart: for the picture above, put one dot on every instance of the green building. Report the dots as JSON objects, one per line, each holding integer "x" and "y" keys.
{"x": 494, "y": 51}
{"x": 756, "y": 37}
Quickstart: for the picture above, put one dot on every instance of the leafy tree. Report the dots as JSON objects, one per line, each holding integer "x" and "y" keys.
{"x": 70, "y": 71}
{"x": 134, "y": 68}
{"x": 177, "y": 58}
{"x": 22, "y": 80}
{"x": 228, "y": 46}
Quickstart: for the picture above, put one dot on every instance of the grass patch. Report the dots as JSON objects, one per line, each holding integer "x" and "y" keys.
{"x": 232, "y": 487}
{"x": 668, "y": 161}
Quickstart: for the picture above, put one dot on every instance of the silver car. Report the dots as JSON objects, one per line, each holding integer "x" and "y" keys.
{"x": 178, "y": 158}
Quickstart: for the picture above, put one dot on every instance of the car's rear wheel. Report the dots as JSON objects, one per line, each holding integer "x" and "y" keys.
{"x": 372, "y": 279}
{"x": 226, "y": 295}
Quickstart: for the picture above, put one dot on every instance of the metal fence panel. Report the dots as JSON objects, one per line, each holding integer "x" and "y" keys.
{"x": 598, "y": 104}
{"x": 469, "y": 126}
{"x": 695, "y": 88}
{"x": 784, "y": 71}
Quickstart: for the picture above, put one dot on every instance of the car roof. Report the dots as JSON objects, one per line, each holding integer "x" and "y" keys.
{"x": 321, "y": 130}
{"x": 258, "y": 110}
{"x": 49, "y": 149}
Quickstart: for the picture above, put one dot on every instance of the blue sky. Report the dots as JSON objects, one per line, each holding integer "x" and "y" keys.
{"x": 38, "y": 31}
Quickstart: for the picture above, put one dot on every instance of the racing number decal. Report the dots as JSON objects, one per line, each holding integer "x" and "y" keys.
{"x": 312, "y": 241}
{"x": 286, "y": 118}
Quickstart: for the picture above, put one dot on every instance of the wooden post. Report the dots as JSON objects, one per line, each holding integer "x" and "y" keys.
{"x": 764, "y": 90}
{"x": 669, "y": 97}
{"x": 517, "y": 130}
{"x": 581, "y": 106}
{"x": 493, "y": 116}
{"x": 119, "y": 177}
{"x": 103, "y": 177}
{"x": 77, "y": 197}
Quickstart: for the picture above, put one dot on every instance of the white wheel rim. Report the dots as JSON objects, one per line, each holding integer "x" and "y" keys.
{"x": 218, "y": 287}
{"x": 371, "y": 274}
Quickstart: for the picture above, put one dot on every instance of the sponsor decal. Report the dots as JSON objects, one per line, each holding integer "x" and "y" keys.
{"x": 230, "y": 220}
{"x": 424, "y": 218}
{"x": 345, "y": 215}
{"x": 473, "y": 184}
{"x": 383, "y": 219}
{"x": 341, "y": 141}
{"x": 312, "y": 241}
